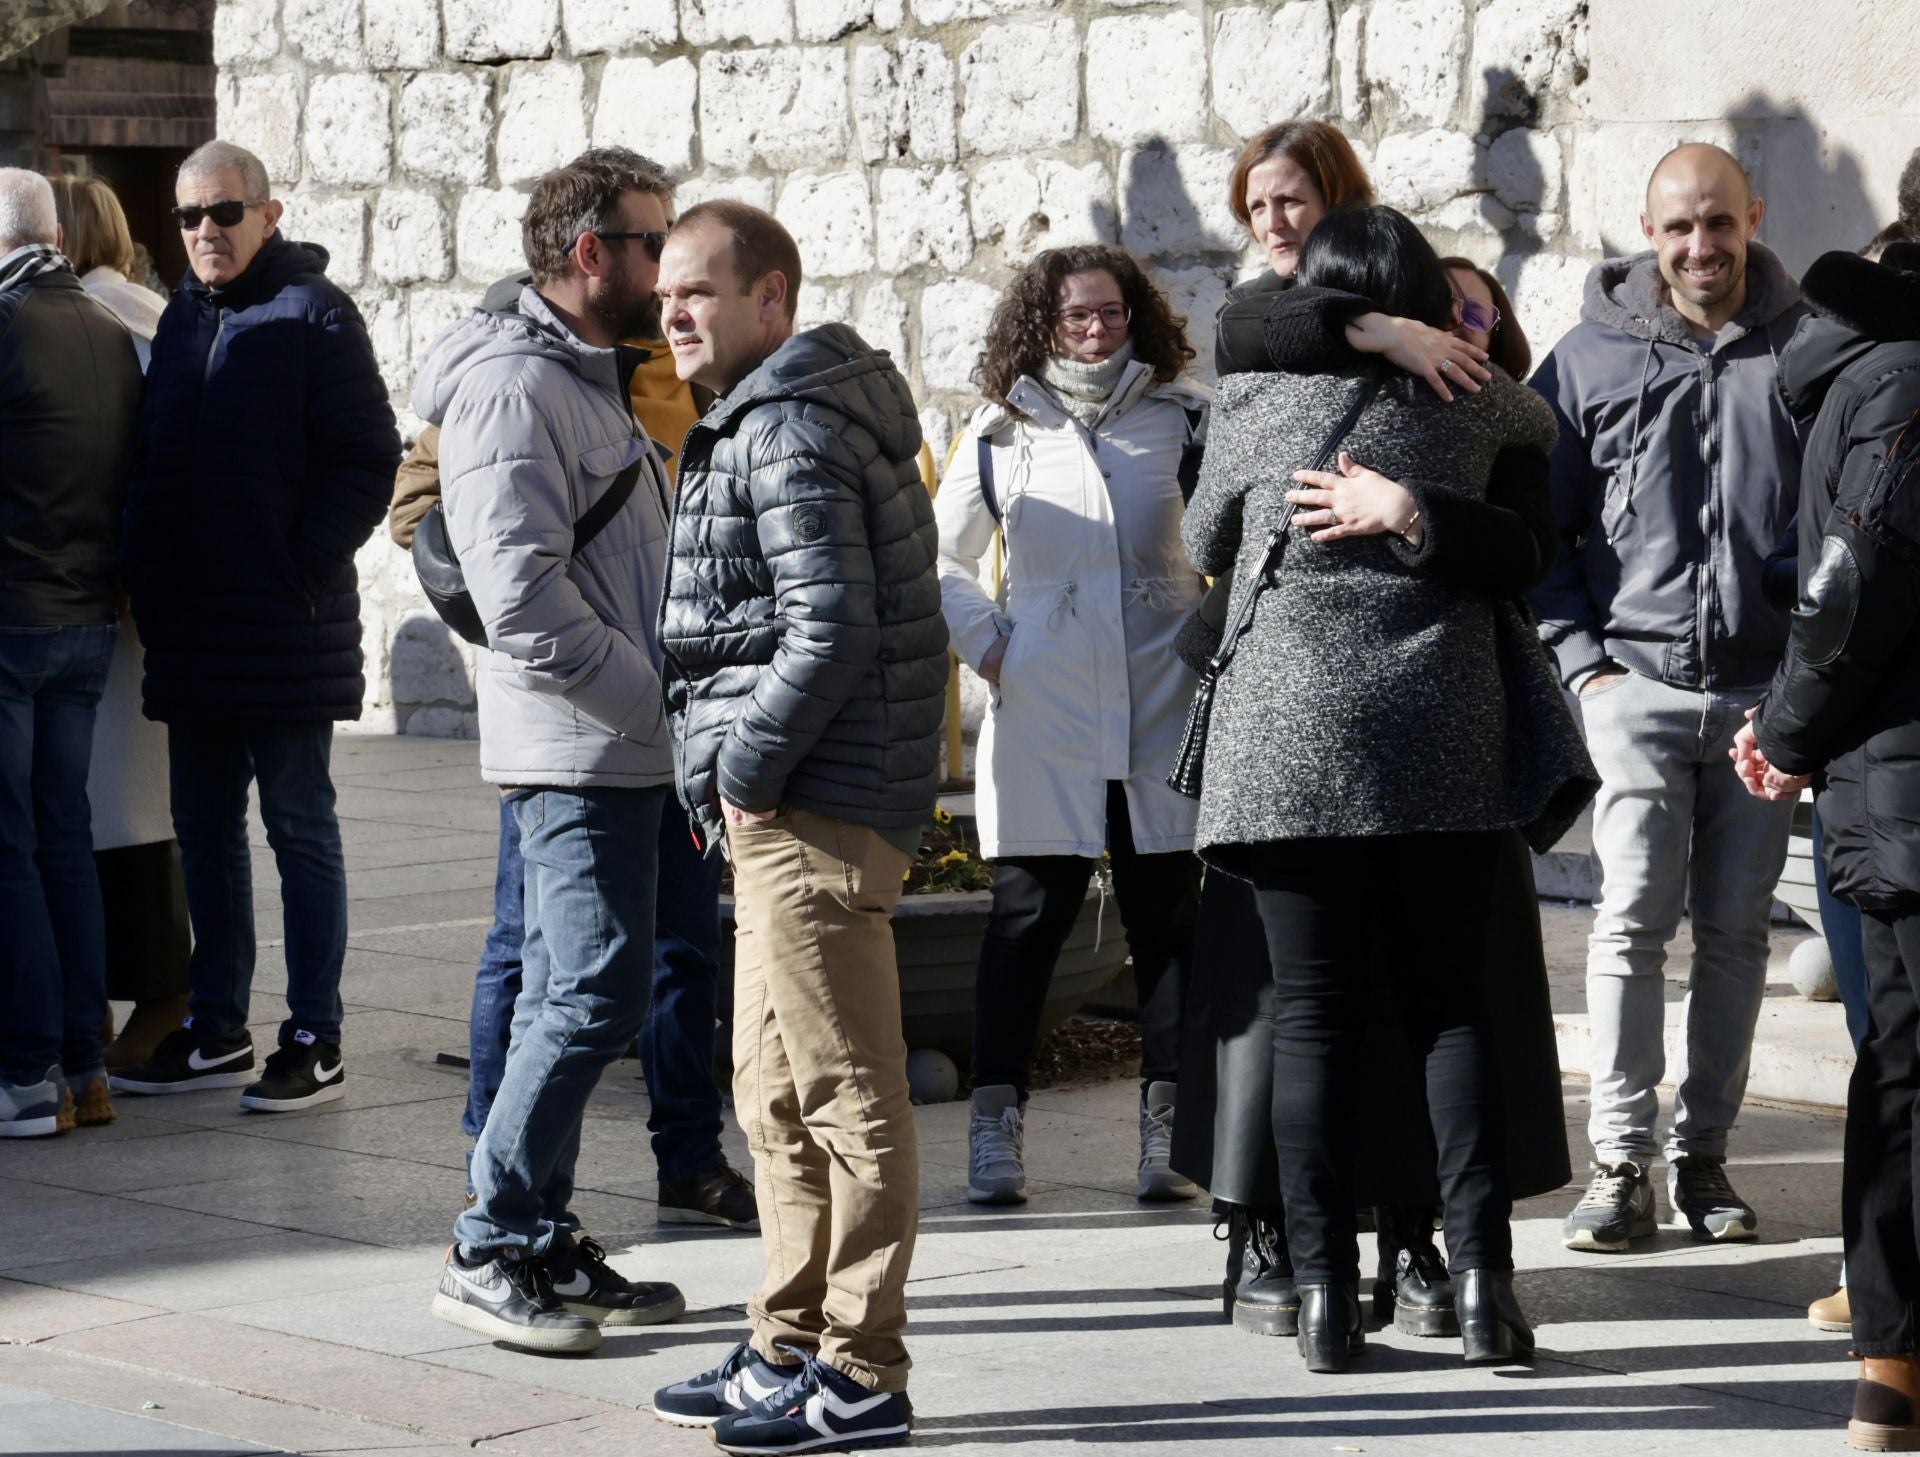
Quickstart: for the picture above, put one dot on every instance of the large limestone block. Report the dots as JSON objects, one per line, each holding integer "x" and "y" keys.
{"x": 822, "y": 303}
{"x": 953, "y": 327}
{"x": 649, "y": 107}
{"x": 713, "y": 22}
{"x": 922, "y": 218}
{"x": 265, "y": 110}
{"x": 1419, "y": 171}
{"x": 1607, "y": 183}
{"x": 831, "y": 218}
{"x": 349, "y": 130}
{"x": 1174, "y": 200}
{"x": 819, "y": 21}
{"x": 425, "y": 666}
{"x": 542, "y": 121}
{"x": 327, "y": 32}
{"x": 936, "y": 428}
{"x": 1147, "y": 78}
{"x": 1346, "y": 59}
{"x": 787, "y": 108}
{"x": 1197, "y": 294}
{"x": 1271, "y": 64}
{"x": 445, "y": 120}
{"x": 385, "y": 315}
{"x": 619, "y": 25}
{"x": 245, "y": 30}
{"x": 1525, "y": 53}
{"x": 338, "y": 224}
{"x": 1525, "y": 170}
{"x": 945, "y": 12}
{"x": 411, "y": 243}
{"x": 402, "y": 34}
{"x": 487, "y": 234}
{"x": 1414, "y": 52}
{"x": 500, "y": 30}
{"x": 1027, "y": 206}
{"x": 1021, "y": 85}
{"x": 756, "y": 191}
{"x": 903, "y": 103}
{"x": 1546, "y": 290}
{"x": 432, "y": 311}
{"x": 881, "y": 319}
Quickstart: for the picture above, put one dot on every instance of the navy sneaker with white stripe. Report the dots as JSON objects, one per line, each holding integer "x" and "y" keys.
{"x": 818, "y": 1409}
{"x": 743, "y": 1379}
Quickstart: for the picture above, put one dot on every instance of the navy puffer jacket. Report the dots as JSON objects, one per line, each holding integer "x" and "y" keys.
{"x": 266, "y": 455}
{"x": 807, "y": 656}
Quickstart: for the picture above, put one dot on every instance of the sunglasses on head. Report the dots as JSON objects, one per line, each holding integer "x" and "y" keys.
{"x": 653, "y": 242}
{"x": 224, "y": 214}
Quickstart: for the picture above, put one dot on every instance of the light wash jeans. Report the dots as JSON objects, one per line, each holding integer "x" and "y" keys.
{"x": 586, "y": 979}
{"x": 1672, "y": 822}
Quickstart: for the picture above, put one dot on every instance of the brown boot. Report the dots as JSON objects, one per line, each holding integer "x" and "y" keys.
{"x": 147, "y": 1023}
{"x": 1886, "y": 1405}
{"x": 1831, "y": 1313}
{"x": 93, "y": 1108}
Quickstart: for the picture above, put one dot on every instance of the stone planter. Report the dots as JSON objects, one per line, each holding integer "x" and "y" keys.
{"x": 937, "y": 946}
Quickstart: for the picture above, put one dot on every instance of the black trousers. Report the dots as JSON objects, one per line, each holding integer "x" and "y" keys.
{"x": 1337, "y": 913}
{"x": 1036, "y": 900}
{"x": 1883, "y": 1102}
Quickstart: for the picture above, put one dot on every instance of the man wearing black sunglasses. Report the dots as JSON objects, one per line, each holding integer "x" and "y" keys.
{"x": 265, "y": 447}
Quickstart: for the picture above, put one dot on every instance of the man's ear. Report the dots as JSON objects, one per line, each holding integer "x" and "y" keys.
{"x": 273, "y": 211}
{"x": 1646, "y": 227}
{"x": 1756, "y": 210}
{"x": 772, "y": 291}
{"x": 59, "y": 238}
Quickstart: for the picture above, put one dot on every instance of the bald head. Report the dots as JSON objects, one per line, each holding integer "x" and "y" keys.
{"x": 1701, "y": 215}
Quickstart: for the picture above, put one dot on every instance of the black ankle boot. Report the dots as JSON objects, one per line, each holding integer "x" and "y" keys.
{"x": 1237, "y": 1222}
{"x": 1331, "y": 1332}
{"x": 1265, "y": 1301}
{"x": 1411, "y": 1288}
{"x": 1492, "y": 1327}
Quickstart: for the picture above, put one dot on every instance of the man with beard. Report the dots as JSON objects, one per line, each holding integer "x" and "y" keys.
{"x": 557, "y": 506}
{"x": 1674, "y": 481}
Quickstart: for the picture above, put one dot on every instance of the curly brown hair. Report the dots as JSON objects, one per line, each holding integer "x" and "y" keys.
{"x": 1020, "y": 337}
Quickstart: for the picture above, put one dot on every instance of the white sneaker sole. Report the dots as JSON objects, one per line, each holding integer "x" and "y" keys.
{"x": 659, "y": 1314}
{"x": 31, "y": 1127}
{"x": 1733, "y": 1229}
{"x": 681, "y": 1419}
{"x": 485, "y": 1323}
{"x": 120, "y": 1083}
{"x": 878, "y": 1437}
{"x": 1165, "y": 1189}
{"x": 324, "y": 1094}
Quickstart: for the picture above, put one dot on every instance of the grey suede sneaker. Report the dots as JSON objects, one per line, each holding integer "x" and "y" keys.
{"x": 1157, "y": 1180}
{"x": 1616, "y": 1209}
{"x": 1703, "y": 1200}
{"x": 996, "y": 1141}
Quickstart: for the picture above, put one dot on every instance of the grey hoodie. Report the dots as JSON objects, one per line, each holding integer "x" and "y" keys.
{"x": 535, "y": 424}
{"x": 1675, "y": 476}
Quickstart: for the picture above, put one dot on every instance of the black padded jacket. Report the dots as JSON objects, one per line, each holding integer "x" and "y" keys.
{"x": 1845, "y": 705}
{"x": 806, "y": 653}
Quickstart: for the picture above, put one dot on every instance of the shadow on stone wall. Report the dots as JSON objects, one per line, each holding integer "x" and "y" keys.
{"x": 428, "y": 683}
{"x": 1815, "y": 192}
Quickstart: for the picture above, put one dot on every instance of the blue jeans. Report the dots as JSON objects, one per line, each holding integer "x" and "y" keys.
{"x": 586, "y": 979}
{"x": 676, "y": 1042}
{"x": 210, "y": 769}
{"x": 53, "y": 950}
{"x": 1840, "y": 927}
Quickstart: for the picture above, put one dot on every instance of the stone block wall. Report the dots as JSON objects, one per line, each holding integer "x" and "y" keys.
{"x": 922, "y": 149}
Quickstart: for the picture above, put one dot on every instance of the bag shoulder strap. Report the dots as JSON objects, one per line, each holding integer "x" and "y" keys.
{"x": 602, "y": 511}
{"x": 1191, "y": 452}
{"x": 983, "y": 451}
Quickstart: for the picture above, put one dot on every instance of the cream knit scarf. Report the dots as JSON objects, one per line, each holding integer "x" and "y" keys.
{"x": 1084, "y": 389}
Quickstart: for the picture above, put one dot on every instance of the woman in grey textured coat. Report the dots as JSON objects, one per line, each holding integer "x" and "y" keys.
{"x": 1377, "y": 728}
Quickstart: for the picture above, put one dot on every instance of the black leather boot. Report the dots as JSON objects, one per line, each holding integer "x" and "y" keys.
{"x": 1412, "y": 1289}
{"x": 1492, "y": 1328}
{"x": 1331, "y": 1332}
{"x": 1265, "y": 1301}
{"x": 1236, "y": 1238}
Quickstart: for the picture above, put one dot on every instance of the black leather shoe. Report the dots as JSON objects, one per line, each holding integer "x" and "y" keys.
{"x": 1412, "y": 1289}
{"x": 1492, "y": 1328}
{"x": 1236, "y": 1221}
{"x": 1331, "y": 1332}
{"x": 1265, "y": 1300}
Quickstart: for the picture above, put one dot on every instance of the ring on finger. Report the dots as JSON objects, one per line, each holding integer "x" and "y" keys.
{"x": 1445, "y": 365}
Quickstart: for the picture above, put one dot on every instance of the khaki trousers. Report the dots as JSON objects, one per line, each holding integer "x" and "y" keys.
{"x": 820, "y": 1085}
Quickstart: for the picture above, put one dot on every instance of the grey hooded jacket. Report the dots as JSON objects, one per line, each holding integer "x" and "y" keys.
{"x": 534, "y": 426}
{"x": 1675, "y": 476}
{"x": 807, "y": 656}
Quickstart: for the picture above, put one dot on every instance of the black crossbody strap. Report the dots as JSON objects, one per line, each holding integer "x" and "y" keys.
{"x": 608, "y": 506}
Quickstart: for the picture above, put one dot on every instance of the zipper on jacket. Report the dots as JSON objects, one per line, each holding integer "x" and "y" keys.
{"x": 1710, "y": 447}
{"x": 219, "y": 328}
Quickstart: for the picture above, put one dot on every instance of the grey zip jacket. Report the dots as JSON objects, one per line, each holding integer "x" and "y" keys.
{"x": 1675, "y": 476}
{"x": 534, "y": 426}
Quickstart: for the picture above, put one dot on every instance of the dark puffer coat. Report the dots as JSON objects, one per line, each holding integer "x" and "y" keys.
{"x": 266, "y": 455}
{"x": 1846, "y": 702}
{"x": 806, "y": 652}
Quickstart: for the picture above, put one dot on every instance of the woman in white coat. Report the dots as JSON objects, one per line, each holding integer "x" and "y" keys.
{"x": 1078, "y": 458}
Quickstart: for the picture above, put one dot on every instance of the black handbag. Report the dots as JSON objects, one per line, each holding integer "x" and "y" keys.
{"x": 437, "y": 565}
{"x": 1189, "y": 760}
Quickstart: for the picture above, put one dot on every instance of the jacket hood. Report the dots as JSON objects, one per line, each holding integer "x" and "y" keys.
{"x": 1857, "y": 304}
{"x": 1628, "y": 294}
{"x": 527, "y": 331}
{"x": 835, "y": 368}
{"x": 279, "y": 261}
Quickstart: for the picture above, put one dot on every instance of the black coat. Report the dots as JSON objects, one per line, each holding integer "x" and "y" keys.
{"x": 266, "y": 456}
{"x": 69, "y": 397}
{"x": 806, "y": 652}
{"x": 1845, "y": 704}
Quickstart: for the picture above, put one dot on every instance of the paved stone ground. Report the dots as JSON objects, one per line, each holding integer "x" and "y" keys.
{"x": 196, "y": 1280}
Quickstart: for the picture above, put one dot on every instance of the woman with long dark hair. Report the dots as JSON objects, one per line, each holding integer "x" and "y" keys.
{"x": 1380, "y": 728}
{"x": 1077, "y": 458}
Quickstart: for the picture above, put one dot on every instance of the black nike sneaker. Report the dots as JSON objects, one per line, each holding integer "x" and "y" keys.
{"x": 587, "y": 1285}
{"x": 738, "y": 1382}
{"x": 511, "y": 1301}
{"x": 187, "y": 1061}
{"x": 298, "y": 1075}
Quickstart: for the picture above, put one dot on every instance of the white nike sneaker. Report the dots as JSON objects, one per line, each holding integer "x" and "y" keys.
{"x": 511, "y": 1301}
{"x": 299, "y": 1075}
{"x": 187, "y": 1061}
